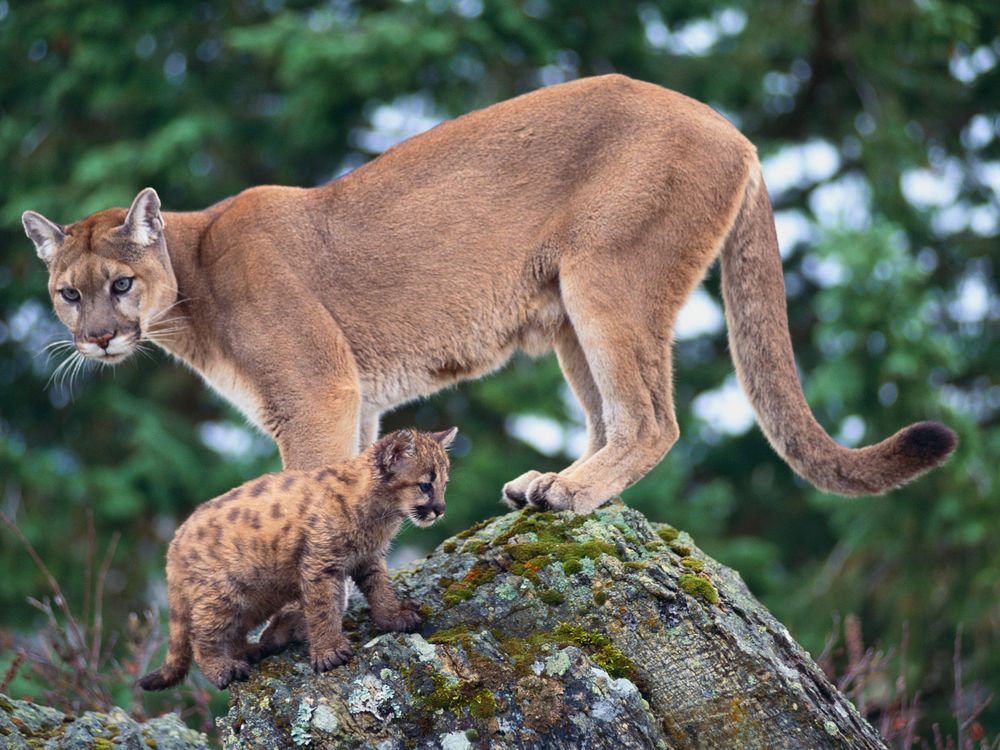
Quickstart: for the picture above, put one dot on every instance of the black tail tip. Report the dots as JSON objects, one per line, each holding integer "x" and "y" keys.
{"x": 930, "y": 443}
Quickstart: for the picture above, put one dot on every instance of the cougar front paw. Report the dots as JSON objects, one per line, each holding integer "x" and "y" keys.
{"x": 327, "y": 659}
{"x": 556, "y": 492}
{"x": 406, "y": 619}
{"x": 515, "y": 492}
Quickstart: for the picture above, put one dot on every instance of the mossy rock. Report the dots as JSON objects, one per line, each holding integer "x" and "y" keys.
{"x": 557, "y": 630}
{"x": 26, "y": 725}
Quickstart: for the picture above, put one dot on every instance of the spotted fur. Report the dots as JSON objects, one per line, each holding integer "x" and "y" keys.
{"x": 296, "y": 537}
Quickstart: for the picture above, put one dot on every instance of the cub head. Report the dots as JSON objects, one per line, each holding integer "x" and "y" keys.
{"x": 109, "y": 275}
{"x": 414, "y": 467}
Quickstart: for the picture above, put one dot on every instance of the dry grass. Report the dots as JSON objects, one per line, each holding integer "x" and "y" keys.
{"x": 881, "y": 693}
{"x": 80, "y": 665}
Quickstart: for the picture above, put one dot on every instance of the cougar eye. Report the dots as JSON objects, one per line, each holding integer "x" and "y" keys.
{"x": 122, "y": 284}
{"x": 70, "y": 294}
{"x": 425, "y": 487}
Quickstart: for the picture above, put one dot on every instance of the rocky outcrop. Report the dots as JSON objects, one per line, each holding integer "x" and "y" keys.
{"x": 25, "y": 725}
{"x": 558, "y": 631}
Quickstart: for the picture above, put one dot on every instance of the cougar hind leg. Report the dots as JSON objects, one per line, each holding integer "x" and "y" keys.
{"x": 575, "y": 369}
{"x": 622, "y": 310}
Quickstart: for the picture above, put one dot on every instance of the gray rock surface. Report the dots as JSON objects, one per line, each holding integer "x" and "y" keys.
{"x": 558, "y": 631}
{"x": 24, "y": 725}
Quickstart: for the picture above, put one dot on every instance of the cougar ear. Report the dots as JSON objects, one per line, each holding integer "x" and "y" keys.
{"x": 445, "y": 437}
{"x": 47, "y": 235}
{"x": 393, "y": 450}
{"x": 143, "y": 224}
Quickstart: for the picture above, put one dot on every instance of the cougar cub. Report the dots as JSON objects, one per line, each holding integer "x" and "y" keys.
{"x": 296, "y": 535}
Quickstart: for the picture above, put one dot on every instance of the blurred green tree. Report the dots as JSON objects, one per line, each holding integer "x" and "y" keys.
{"x": 878, "y": 125}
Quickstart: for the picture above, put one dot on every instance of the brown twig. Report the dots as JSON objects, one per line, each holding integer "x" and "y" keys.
{"x": 88, "y": 565}
{"x": 49, "y": 578}
{"x": 957, "y": 664}
{"x": 12, "y": 670}
{"x": 98, "y": 627}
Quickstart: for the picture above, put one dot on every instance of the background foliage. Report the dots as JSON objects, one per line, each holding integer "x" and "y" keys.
{"x": 878, "y": 123}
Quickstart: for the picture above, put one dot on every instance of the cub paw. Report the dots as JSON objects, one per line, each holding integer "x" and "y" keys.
{"x": 326, "y": 660}
{"x": 406, "y": 619}
{"x": 515, "y": 492}
{"x": 235, "y": 671}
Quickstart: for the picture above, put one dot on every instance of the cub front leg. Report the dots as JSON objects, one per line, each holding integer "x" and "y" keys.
{"x": 322, "y": 606}
{"x": 388, "y": 612}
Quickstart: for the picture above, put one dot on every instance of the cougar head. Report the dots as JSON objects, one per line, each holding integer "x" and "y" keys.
{"x": 110, "y": 277}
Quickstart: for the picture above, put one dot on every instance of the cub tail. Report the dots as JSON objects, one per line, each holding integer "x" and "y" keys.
{"x": 754, "y": 291}
{"x": 178, "y": 660}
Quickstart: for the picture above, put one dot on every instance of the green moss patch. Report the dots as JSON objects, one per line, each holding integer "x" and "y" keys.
{"x": 458, "y": 696}
{"x": 474, "y": 528}
{"x": 448, "y": 636}
{"x": 532, "y": 557}
{"x": 482, "y": 704}
{"x": 572, "y": 566}
{"x": 667, "y": 533}
{"x": 459, "y": 591}
{"x": 680, "y": 549}
{"x": 699, "y": 587}
{"x": 547, "y": 527}
{"x": 552, "y": 597}
{"x": 602, "y": 651}
{"x": 692, "y": 563}
{"x": 525, "y": 651}
{"x": 474, "y": 547}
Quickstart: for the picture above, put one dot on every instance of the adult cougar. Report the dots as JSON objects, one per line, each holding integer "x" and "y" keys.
{"x": 578, "y": 217}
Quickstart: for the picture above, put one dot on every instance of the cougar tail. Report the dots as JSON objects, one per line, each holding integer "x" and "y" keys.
{"x": 754, "y": 291}
{"x": 178, "y": 660}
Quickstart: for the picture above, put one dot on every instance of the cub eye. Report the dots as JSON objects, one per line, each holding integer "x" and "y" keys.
{"x": 425, "y": 487}
{"x": 70, "y": 294}
{"x": 121, "y": 284}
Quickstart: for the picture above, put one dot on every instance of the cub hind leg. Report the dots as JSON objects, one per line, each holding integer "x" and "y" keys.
{"x": 219, "y": 641}
{"x": 286, "y": 627}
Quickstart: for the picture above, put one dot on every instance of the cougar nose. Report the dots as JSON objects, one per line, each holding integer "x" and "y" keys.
{"x": 439, "y": 509}
{"x": 101, "y": 339}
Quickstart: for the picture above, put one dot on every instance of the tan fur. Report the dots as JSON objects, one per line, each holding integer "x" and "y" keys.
{"x": 296, "y": 536}
{"x": 578, "y": 217}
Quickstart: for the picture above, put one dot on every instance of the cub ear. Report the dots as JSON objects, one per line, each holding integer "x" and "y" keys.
{"x": 445, "y": 437}
{"x": 392, "y": 451}
{"x": 143, "y": 224}
{"x": 47, "y": 235}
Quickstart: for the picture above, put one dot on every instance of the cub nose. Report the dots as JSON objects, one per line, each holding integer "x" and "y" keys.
{"x": 438, "y": 509}
{"x": 101, "y": 339}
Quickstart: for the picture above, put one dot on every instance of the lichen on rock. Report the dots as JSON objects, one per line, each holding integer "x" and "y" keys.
{"x": 25, "y": 725}
{"x": 557, "y": 630}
